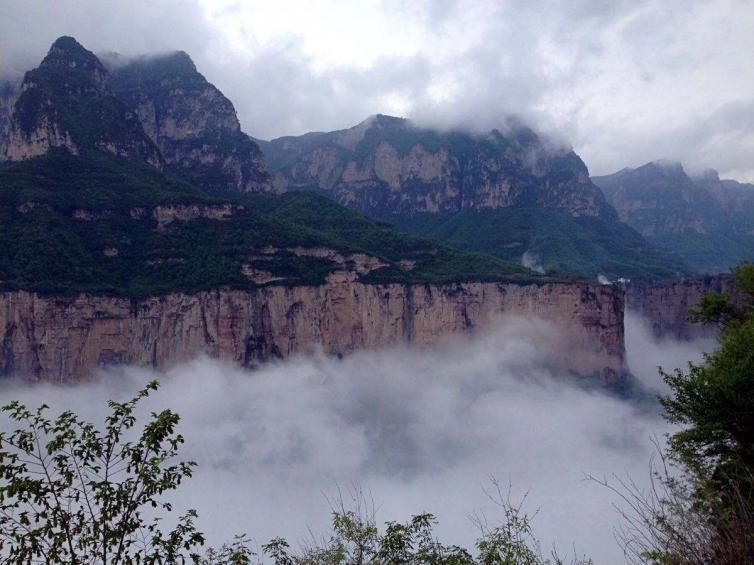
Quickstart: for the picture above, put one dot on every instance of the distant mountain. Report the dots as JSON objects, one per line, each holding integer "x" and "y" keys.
{"x": 707, "y": 221}
{"x": 90, "y": 203}
{"x": 65, "y": 102}
{"x": 191, "y": 121}
{"x": 389, "y": 165}
{"x": 513, "y": 195}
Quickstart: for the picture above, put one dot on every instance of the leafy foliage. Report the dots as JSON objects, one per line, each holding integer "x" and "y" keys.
{"x": 715, "y": 400}
{"x": 700, "y": 507}
{"x": 73, "y": 494}
{"x": 357, "y": 540}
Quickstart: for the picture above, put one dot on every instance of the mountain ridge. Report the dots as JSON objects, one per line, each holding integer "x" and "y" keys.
{"x": 705, "y": 220}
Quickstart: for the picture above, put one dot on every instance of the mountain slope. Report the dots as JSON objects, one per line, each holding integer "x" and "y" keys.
{"x": 513, "y": 196}
{"x": 192, "y": 123}
{"x": 97, "y": 211}
{"x": 706, "y": 221}
{"x": 550, "y": 241}
{"x": 113, "y": 226}
{"x": 65, "y": 102}
{"x": 389, "y": 165}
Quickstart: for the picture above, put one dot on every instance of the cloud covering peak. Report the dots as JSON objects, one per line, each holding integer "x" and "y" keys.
{"x": 624, "y": 82}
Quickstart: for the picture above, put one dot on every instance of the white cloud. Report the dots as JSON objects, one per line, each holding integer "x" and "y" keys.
{"x": 422, "y": 430}
{"x": 625, "y": 82}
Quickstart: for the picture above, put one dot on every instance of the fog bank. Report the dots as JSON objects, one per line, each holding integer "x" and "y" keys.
{"x": 421, "y": 430}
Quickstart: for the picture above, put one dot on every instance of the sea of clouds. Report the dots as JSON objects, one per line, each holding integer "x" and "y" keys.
{"x": 416, "y": 429}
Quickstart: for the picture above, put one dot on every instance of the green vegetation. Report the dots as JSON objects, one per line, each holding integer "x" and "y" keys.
{"x": 701, "y": 219}
{"x": 74, "y": 494}
{"x": 560, "y": 244}
{"x": 715, "y": 400}
{"x": 356, "y": 539}
{"x": 66, "y": 92}
{"x": 700, "y": 507}
{"x": 87, "y": 224}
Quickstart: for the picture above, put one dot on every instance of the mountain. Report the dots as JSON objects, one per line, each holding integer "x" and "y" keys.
{"x": 65, "y": 102}
{"x": 117, "y": 244}
{"x": 701, "y": 218}
{"x": 513, "y": 195}
{"x": 93, "y": 205}
{"x": 388, "y": 165}
{"x": 191, "y": 121}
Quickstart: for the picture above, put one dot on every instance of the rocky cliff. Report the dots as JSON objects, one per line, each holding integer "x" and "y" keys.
{"x": 192, "y": 122}
{"x": 56, "y": 338}
{"x": 9, "y": 88}
{"x": 706, "y": 221}
{"x": 666, "y": 306}
{"x": 66, "y": 103}
{"x": 390, "y": 165}
{"x": 511, "y": 194}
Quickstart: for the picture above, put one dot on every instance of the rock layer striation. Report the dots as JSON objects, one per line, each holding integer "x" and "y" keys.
{"x": 54, "y": 338}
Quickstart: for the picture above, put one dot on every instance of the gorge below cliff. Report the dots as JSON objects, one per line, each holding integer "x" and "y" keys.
{"x": 415, "y": 428}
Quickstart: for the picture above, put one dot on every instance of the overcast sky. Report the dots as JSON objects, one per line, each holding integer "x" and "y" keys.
{"x": 624, "y": 82}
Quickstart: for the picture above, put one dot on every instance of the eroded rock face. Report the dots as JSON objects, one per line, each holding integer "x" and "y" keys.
{"x": 705, "y": 220}
{"x": 666, "y": 306}
{"x": 68, "y": 338}
{"x": 388, "y": 165}
{"x": 192, "y": 122}
{"x": 66, "y": 103}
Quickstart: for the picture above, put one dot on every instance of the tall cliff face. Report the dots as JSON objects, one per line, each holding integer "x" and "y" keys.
{"x": 704, "y": 220}
{"x": 67, "y": 338}
{"x": 666, "y": 306}
{"x": 389, "y": 165}
{"x": 512, "y": 195}
{"x": 192, "y": 122}
{"x": 9, "y": 89}
{"x": 65, "y": 102}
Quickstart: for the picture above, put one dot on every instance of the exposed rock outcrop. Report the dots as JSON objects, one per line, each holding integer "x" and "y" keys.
{"x": 192, "y": 122}
{"x": 56, "y": 338}
{"x": 9, "y": 90}
{"x": 666, "y": 306}
{"x": 65, "y": 102}
{"x": 389, "y": 165}
{"x": 706, "y": 221}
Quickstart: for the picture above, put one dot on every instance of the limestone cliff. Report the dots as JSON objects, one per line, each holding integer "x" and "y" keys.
{"x": 666, "y": 306}
{"x": 192, "y": 122}
{"x": 388, "y": 165}
{"x": 65, "y": 102}
{"x": 702, "y": 219}
{"x": 55, "y": 338}
{"x": 9, "y": 88}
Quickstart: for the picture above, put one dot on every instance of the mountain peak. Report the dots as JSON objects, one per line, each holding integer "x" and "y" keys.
{"x": 66, "y": 103}
{"x": 383, "y": 120}
{"x": 68, "y": 52}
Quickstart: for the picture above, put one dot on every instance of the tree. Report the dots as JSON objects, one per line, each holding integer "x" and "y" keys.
{"x": 356, "y": 540}
{"x": 714, "y": 400}
{"x": 73, "y": 494}
{"x": 699, "y": 508}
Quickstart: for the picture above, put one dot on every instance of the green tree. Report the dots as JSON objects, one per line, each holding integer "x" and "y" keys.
{"x": 699, "y": 508}
{"x": 714, "y": 400}
{"x": 73, "y": 494}
{"x": 357, "y": 540}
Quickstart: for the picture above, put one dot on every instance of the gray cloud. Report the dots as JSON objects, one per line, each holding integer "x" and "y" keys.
{"x": 644, "y": 352}
{"x": 624, "y": 82}
{"x": 422, "y": 430}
